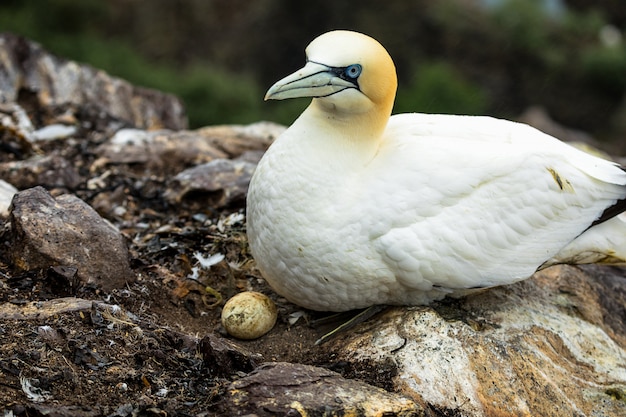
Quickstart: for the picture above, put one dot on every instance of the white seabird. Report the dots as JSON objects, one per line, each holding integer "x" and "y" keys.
{"x": 351, "y": 207}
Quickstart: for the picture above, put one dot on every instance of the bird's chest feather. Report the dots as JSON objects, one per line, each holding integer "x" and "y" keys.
{"x": 302, "y": 207}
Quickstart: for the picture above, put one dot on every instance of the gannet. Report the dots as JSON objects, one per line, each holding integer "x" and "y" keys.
{"x": 352, "y": 207}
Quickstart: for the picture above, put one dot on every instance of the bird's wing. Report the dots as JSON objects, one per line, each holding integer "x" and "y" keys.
{"x": 465, "y": 202}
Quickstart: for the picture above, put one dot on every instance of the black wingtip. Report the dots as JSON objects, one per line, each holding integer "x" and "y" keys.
{"x": 616, "y": 209}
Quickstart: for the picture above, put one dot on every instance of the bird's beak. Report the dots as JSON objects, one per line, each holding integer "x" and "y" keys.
{"x": 313, "y": 80}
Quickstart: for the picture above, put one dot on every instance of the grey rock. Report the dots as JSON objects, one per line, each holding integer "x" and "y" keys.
{"x": 216, "y": 184}
{"x": 40, "y": 81}
{"x": 47, "y": 232}
{"x": 237, "y": 139}
{"x": 49, "y": 171}
{"x": 173, "y": 151}
{"x": 158, "y": 151}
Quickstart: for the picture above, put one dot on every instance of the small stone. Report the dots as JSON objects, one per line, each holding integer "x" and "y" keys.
{"x": 53, "y": 132}
{"x": 249, "y": 315}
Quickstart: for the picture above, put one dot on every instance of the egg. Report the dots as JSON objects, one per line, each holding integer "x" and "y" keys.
{"x": 249, "y": 315}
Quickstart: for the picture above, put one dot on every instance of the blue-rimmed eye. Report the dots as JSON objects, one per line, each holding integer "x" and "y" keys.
{"x": 353, "y": 71}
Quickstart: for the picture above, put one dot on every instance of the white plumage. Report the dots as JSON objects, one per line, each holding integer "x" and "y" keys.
{"x": 351, "y": 207}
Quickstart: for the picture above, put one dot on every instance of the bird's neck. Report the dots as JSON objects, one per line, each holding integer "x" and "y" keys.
{"x": 349, "y": 137}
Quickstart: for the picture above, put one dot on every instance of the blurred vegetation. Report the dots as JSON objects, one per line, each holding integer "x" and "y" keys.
{"x": 438, "y": 87}
{"x": 458, "y": 56}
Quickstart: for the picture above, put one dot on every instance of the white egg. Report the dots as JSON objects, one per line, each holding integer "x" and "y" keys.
{"x": 249, "y": 315}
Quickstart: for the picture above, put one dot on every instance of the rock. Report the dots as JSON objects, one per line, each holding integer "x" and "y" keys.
{"x": 551, "y": 345}
{"x": 158, "y": 151}
{"x": 65, "y": 231}
{"x": 38, "y": 310}
{"x": 224, "y": 358}
{"x": 50, "y": 171}
{"x": 63, "y": 280}
{"x": 235, "y": 140}
{"x": 59, "y": 90}
{"x": 286, "y": 389}
{"x": 54, "y": 132}
{"x": 16, "y": 131}
{"x": 172, "y": 152}
{"x": 217, "y": 184}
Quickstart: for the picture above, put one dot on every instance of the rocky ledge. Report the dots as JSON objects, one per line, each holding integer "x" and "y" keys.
{"x": 124, "y": 233}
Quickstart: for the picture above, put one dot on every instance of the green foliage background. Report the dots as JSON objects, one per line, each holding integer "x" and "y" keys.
{"x": 456, "y": 56}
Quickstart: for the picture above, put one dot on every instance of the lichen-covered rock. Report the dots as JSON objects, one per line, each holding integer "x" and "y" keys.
{"x": 48, "y": 232}
{"x": 554, "y": 345}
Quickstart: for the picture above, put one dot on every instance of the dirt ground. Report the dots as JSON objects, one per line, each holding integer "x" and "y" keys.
{"x": 139, "y": 350}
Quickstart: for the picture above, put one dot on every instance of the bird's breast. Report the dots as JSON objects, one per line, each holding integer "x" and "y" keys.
{"x": 304, "y": 229}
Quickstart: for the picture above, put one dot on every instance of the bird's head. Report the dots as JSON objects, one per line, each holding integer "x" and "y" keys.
{"x": 346, "y": 73}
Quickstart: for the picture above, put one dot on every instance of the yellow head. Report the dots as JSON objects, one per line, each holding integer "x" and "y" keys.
{"x": 347, "y": 74}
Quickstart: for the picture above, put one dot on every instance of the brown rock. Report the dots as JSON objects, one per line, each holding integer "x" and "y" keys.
{"x": 66, "y": 231}
{"x": 286, "y": 389}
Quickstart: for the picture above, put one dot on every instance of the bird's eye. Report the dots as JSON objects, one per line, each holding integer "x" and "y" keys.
{"x": 353, "y": 71}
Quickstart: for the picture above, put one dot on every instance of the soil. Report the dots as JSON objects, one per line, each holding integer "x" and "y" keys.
{"x": 138, "y": 350}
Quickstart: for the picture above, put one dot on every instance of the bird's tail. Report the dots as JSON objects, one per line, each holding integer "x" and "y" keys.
{"x": 603, "y": 243}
